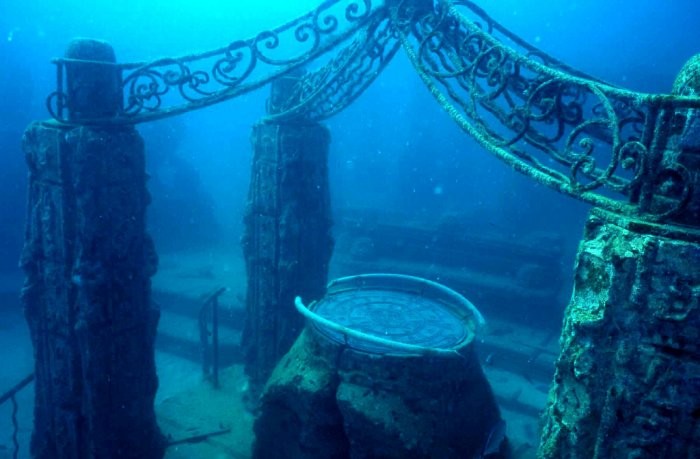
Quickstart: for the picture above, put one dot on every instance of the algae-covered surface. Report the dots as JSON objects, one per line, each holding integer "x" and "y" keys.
{"x": 203, "y": 410}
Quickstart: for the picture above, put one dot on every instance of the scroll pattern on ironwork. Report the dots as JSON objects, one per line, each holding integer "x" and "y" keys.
{"x": 567, "y": 130}
{"x": 574, "y": 133}
{"x": 175, "y": 85}
{"x": 329, "y": 90}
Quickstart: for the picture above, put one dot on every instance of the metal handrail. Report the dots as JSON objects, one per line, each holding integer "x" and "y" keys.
{"x": 17, "y": 387}
{"x": 213, "y": 362}
{"x": 171, "y": 86}
{"x": 10, "y": 395}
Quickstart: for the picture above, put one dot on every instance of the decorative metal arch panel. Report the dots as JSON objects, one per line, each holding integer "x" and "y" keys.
{"x": 171, "y": 86}
{"x": 579, "y": 135}
{"x": 567, "y": 130}
{"x": 336, "y": 85}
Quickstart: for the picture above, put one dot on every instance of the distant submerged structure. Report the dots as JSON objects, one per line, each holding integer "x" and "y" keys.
{"x": 627, "y": 380}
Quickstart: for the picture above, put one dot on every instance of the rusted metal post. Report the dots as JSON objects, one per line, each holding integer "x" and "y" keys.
{"x": 215, "y": 340}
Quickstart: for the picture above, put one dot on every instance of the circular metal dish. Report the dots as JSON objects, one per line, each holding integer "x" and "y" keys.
{"x": 397, "y": 314}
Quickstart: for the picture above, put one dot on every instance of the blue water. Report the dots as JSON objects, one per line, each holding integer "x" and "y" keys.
{"x": 393, "y": 149}
{"x": 637, "y": 44}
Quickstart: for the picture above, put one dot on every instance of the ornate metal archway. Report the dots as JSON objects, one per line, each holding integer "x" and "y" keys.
{"x": 622, "y": 151}
{"x": 567, "y": 130}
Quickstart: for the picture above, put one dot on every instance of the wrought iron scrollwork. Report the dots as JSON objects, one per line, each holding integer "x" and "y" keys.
{"x": 174, "y": 85}
{"x": 327, "y": 91}
{"x": 570, "y": 131}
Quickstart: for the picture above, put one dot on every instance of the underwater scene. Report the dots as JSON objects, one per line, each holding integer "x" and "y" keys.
{"x": 338, "y": 229}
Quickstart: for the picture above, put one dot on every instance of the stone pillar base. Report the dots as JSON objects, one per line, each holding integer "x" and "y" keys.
{"x": 88, "y": 263}
{"x": 627, "y": 382}
{"x": 328, "y": 401}
{"x": 287, "y": 242}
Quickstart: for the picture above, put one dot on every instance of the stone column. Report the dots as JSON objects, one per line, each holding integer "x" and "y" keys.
{"x": 686, "y": 148}
{"x": 287, "y": 242}
{"x": 627, "y": 382}
{"x": 88, "y": 263}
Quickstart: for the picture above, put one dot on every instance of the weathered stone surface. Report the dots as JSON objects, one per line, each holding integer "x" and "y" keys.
{"x": 287, "y": 242}
{"x": 93, "y": 87}
{"x": 685, "y": 145}
{"x": 688, "y": 80}
{"x": 88, "y": 263}
{"x": 326, "y": 401}
{"x": 299, "y": 418}
{"x": 415, "y": 406}
{"x": 627, "y": 382}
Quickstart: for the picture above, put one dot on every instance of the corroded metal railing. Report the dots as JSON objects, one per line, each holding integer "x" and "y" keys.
{"x": 171, "y": 86}
{"x": 327, "y": 91}
{"x": 210, "y": 352}
{"x": 572, "y": 132}
{"x": 11, "y": 396}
